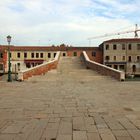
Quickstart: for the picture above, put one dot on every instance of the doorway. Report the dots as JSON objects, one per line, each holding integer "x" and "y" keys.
{"x": 134, "y": 69}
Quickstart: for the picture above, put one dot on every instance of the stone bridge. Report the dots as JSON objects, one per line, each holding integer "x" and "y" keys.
{"x": 70, "y": 103}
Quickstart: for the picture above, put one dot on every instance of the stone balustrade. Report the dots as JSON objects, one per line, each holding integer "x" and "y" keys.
{"x": 102, "y": 69}
{"x": 40, "y": 69}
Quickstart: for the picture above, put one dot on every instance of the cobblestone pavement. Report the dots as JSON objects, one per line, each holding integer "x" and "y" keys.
{"x": 70, "y": 103}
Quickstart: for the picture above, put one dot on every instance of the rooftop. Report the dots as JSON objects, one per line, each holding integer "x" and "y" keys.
{"x": 43, "y": 48}
{"x": 123, "y": 40}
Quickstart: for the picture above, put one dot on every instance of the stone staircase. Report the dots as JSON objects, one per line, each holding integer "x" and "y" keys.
{"x": 70, "y": 69}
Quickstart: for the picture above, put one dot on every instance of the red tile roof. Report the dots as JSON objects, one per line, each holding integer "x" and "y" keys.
{"x": 44, "y": 48}
{"x": 123, "y": 40}
{"x": 28, "y": 48}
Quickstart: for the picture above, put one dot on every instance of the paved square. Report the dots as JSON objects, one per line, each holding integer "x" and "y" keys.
{"x": 70, "y": 103}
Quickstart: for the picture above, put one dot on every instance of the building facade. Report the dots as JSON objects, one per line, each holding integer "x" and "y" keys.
{"x": 23, "y": 57}
{"x": 122, "y": 54}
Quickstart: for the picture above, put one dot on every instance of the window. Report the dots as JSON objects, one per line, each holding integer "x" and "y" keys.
{"x": 134, "y": 68}
{"x": 123, "y": 58}
{"x": 94, "y": 54}
{"x": 122, "y": 67}
{"x": 123, "y": 46}
{"x": 114, "y": 47}
{"x": 107, "y": 58}
{"x": 28, "y": 65}
{"x": 33, "y": 64}
{"x": 32, "y": 55}
{"x": 25, "y": 55}
{"x": 18, "y": 55}
{"x": 37, "y": 55}
{"x": 138, "y": 58}
{"x": 114, "y": 58}
{"x": 107, "y": 47}
{"x": 129, "y": 46}
{"x": 75, "y": 54}
{"x": 49, "y": 55}
{"x": 1, "y": 55}
{"x": 129, "y": 58}
{"x": 18, "y": 64}
{"x": 109, "y": 66}
{"x": 1, "y": 66}
{"x": 54, "y": 54}
{"x": 138, "y": 46}
{"x": 41, "y": 55}
{"x": 64, "y": 54}
{"x": 116, "y": 67}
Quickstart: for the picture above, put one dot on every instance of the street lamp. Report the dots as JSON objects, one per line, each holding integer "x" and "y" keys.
{"x": 9, "y": 63}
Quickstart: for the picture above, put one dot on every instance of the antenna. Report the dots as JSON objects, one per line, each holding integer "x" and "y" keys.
{"x": 136, "y": 30}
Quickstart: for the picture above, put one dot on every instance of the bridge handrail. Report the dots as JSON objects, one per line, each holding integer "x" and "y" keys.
{"x": 48, "y": 65}
{"x": 105, "y": 70}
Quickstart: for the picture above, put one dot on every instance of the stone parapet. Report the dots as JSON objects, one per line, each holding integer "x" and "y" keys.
{"x": 40, "y": 69}
{"x": 102, "y": 69}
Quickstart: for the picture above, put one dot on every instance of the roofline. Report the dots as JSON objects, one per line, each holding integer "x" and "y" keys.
{"x": 43, "y": 48}
{"x": 122, "y": 40}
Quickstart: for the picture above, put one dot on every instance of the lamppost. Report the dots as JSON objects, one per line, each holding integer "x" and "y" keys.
{"x": 9, "y": 63}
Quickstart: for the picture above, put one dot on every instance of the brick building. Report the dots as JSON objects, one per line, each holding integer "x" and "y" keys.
{"x": 23, "y": 57}
{"x": 120, "y": 54}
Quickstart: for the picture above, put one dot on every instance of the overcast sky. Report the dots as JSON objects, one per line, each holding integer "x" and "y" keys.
{"x": 47, "y": 22}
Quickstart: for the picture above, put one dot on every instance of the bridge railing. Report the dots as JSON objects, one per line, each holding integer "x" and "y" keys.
{"x": 40, "y": 69}
{"x": 102, "y": 69}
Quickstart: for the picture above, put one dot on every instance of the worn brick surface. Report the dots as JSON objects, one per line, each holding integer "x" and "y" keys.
{"x": 124, "y": 138}
{"x": 135, "y": 134}
{"x": 93, "y": 136}
{"x": 70, "y": 103}
{"x": 64, "y": 137}
{"x": 108, "y": 137}
{"x": 127, "y": 124}
{"x": 78, "y": 123}
{"x": 79, "y": 135}
{"x": 121, "y": 133}
{"x": 65, "y": 128}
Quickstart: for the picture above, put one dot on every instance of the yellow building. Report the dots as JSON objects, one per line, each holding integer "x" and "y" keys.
{"x": 122, "y": 54}
{"x": 30, "y": 58}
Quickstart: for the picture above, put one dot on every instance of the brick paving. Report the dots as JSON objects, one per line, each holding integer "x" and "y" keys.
{"x": 70, "y": 103}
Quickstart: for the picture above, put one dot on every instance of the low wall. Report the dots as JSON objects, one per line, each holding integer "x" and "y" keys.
{"x": 102, "y": 69}
{"x": 40, "y": 69}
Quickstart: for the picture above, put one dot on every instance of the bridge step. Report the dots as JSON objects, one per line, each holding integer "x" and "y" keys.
{"x": 70, "y": 68}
